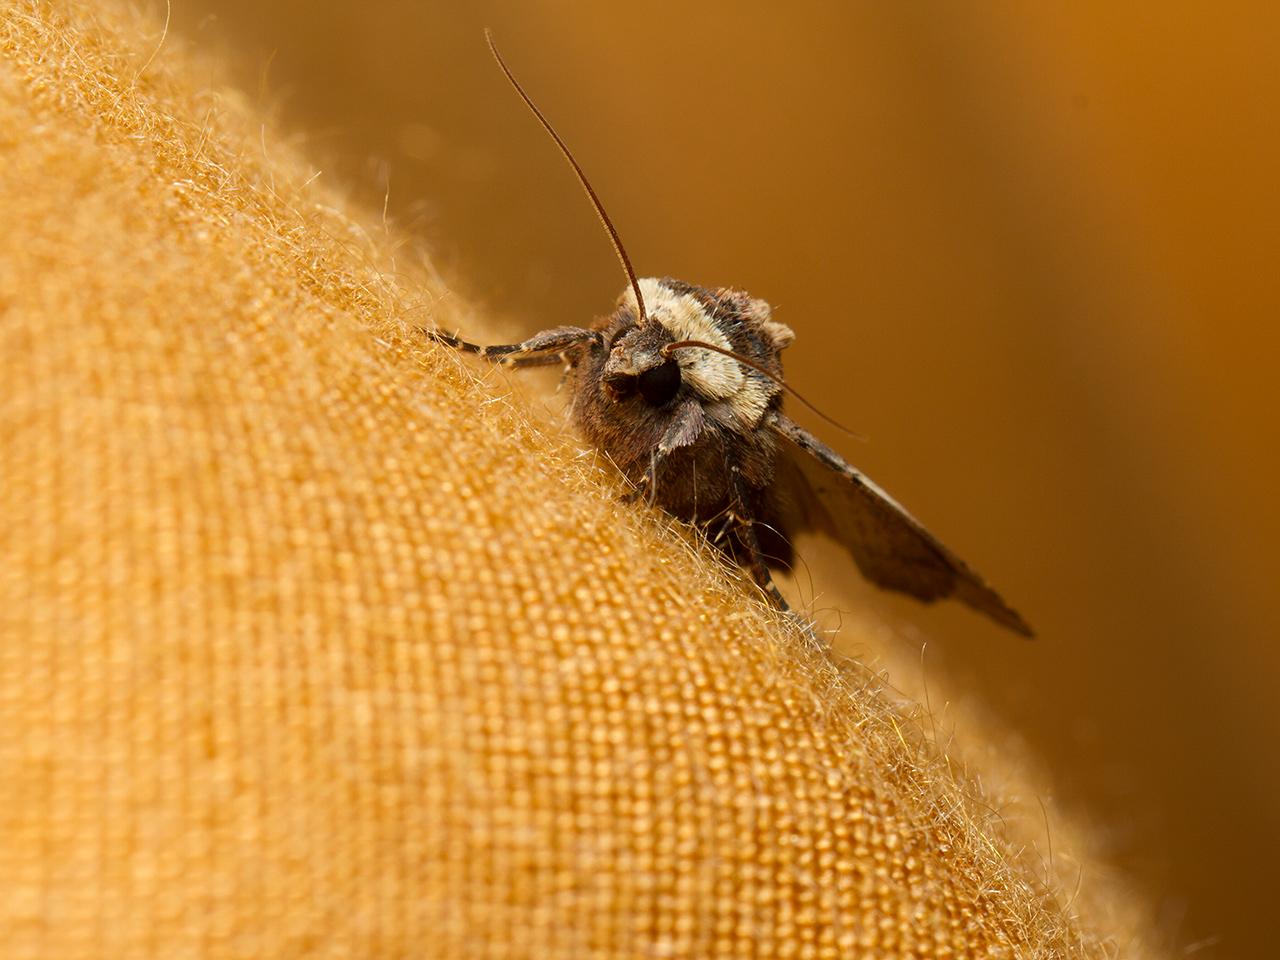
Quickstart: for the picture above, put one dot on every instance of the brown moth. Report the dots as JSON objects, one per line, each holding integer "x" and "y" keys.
{"x": 681, "y": 387}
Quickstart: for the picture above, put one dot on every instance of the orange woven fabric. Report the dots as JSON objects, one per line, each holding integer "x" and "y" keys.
{"x": 311, "y": 647}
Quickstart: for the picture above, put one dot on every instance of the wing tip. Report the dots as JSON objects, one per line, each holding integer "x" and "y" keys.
{"x": 1011, "y": 619}
{"x": 984, "y": 600}
{"x": 974, "y": 593}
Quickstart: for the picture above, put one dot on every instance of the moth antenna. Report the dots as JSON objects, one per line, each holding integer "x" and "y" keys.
{"x": 671, "y": 348}
{"x": 582, "y": 177}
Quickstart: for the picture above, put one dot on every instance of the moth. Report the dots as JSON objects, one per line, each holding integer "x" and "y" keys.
{"x": 681, "y": 387}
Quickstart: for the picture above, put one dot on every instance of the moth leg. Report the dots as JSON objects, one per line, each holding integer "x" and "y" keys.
{"x": 687, "y": 422}
{"x": 744, "y": 527}
{"x": 755, "y": 562}
{"x": 542, "y": 360}
{"x": 543, "y": 348}
{"x": 647, "y": 486}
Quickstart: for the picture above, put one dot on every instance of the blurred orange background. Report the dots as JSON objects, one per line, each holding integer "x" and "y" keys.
{"x": 1028, "y": 249}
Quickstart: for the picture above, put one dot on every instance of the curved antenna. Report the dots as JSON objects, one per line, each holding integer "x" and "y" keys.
{"x": 582, "y": 177}
{"x": 671, "y": 348}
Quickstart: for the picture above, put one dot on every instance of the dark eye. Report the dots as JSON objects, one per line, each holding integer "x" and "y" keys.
{"x": 659, "y": 384}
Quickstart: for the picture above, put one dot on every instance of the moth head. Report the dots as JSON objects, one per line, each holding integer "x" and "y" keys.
{"x": 637, "y": 369}
{"x": 642, "y": 361}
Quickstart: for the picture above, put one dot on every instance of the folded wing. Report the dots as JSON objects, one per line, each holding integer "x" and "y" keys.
{"x": 892, "y": 549}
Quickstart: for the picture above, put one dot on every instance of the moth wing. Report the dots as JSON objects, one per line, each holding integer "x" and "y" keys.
{"x": 891, "y": 548}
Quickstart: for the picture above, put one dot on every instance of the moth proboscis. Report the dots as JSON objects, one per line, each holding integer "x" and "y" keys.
{"x": 681, "y": 387}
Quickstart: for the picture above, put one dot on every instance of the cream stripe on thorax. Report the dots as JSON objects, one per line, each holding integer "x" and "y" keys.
{"x": 714, "y": 376}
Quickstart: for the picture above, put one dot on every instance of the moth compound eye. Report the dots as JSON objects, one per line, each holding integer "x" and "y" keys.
{"x": 619, "y": 386}
{"x": 658, "y": 385}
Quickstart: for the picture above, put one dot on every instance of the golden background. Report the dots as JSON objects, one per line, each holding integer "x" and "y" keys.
{"x": 1029, "y": 252}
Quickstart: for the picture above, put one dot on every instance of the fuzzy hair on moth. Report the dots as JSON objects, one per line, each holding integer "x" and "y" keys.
{"x": 681, "y": 387}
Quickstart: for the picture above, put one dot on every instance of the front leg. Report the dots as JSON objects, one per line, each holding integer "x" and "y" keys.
{"x": 688, "y": 421}
{"x": 742, "y": 522}
{"x": 542, "y": 349}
